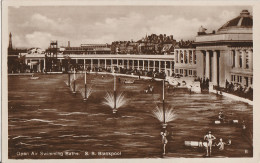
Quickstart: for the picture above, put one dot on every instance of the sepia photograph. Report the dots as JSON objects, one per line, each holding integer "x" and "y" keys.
{"x": 128, "y": 81}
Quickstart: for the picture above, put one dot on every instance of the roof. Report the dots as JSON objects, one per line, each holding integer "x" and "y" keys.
{"x": 244, "y": 20}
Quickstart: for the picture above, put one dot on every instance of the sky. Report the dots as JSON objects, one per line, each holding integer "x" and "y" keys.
{"x": 36, "y": 26}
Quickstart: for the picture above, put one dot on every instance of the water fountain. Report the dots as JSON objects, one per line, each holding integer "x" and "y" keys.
{"x": 164, "y": 116}
{"x": 113, "y": 100}
{"x": 85, "y": 93}
{"x": 114, "y": 103}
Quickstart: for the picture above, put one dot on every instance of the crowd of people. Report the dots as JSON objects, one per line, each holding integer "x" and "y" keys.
{"x": 239, "y": 90}
{"x": 204, "y": 83}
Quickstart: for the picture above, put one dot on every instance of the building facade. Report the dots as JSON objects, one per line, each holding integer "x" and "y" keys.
{"x": 185, "y": 59}
{"x": 226, "y": 56}
{"x": 223, "y": 56}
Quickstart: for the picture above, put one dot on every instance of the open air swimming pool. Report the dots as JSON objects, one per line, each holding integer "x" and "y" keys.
{"x": 44, "y": 116}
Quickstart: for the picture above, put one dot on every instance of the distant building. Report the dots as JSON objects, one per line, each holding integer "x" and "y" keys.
{"x": 185, "y": 59}
{"x": 227, "y": 54}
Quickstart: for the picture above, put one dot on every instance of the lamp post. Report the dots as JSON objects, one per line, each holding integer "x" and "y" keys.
{"x": 85, "y": 99}
{"x": 74, "y": 86}
{"x": 114, "y": 110}
{"x": 164, "y": 122}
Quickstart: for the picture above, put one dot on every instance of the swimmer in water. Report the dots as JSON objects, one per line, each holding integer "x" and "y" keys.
{"x": 164, "y": 141}
{"x": 221, "y": 144}
{"x": 209, "y": 137}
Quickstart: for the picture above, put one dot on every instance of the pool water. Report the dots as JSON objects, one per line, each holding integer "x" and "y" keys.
{"x": 46, "y": 118}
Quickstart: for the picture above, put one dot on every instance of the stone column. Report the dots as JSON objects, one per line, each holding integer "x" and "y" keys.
{"x": 84, "y": 64}
{"x": 39, "y": 65}
{"x": 117, "y": 63}
{"x": 133, "y": 64}
{"x": 111, "y": 64}
{"x": 31, "y": 66}
{"x": 148, "y": 65}
{"x": 207, "y": 65}
{"x": 243, "y": 59}
{"x": 77, "y": 61}
{"x": 91, "y": 64}
{"x": 138, "y": 64}
{"x": 44, "y": 64}
{"x": 105, "y": 63}
{"x": 143, "y": 64}
{"x": 215, "y": 68}
{"x": 170, "y": 68}
{"x": 127, "y": 64}
{"x": 237, "y": 53}
{"x": 250, "y": 58}
{"x": 193, "y": 56}
{"x": 98, "y": 63}
{"x": 165, "y": 66}
{"x": 159, "y": 66}
{"x": 154, "y": 65}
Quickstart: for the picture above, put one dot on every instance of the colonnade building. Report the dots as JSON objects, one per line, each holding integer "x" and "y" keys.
{"x": 225, "y": 55}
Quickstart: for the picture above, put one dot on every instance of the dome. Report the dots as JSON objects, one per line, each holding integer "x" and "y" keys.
{"x": 243, "y": 21}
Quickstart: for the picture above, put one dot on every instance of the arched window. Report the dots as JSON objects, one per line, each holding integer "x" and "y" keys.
{"x": 177, "y": 56}
{"x": 185, "y": 56}
{"x": 181, "y": 57}
{"x": 247, "y": 60}
{"x": 195, "y": 57}
{"x": 240, "y": 60}
{"x": 233, "y": 58}
{"x": 190, "y": 56}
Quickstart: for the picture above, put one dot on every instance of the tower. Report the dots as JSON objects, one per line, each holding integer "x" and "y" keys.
{"x": 10, "y": 41}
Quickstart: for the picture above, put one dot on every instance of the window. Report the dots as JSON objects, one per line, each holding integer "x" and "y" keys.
{"x": 185, "y": 57}
{"x": 247, "y": 61}
{"x": 233, "y": 58}
{"x": 190, "y": 56}
{"x": 181, "y": 57}
{"x": 233, "y": 78}
{"x": 194, "y": 73}
{"x": 195, "y": 59}
{"x": 181, "y": 71}
{"x": 239, "y": 79}
{"x": 240, "y": 61}
{"x": 190, "y": 72}
{"x": 177, "y": 71}
{"x": 177, "y": 56}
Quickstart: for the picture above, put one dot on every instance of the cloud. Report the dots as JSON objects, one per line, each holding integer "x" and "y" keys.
{"x": 38, "y": 29}
{"x": 38, "y": 39}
